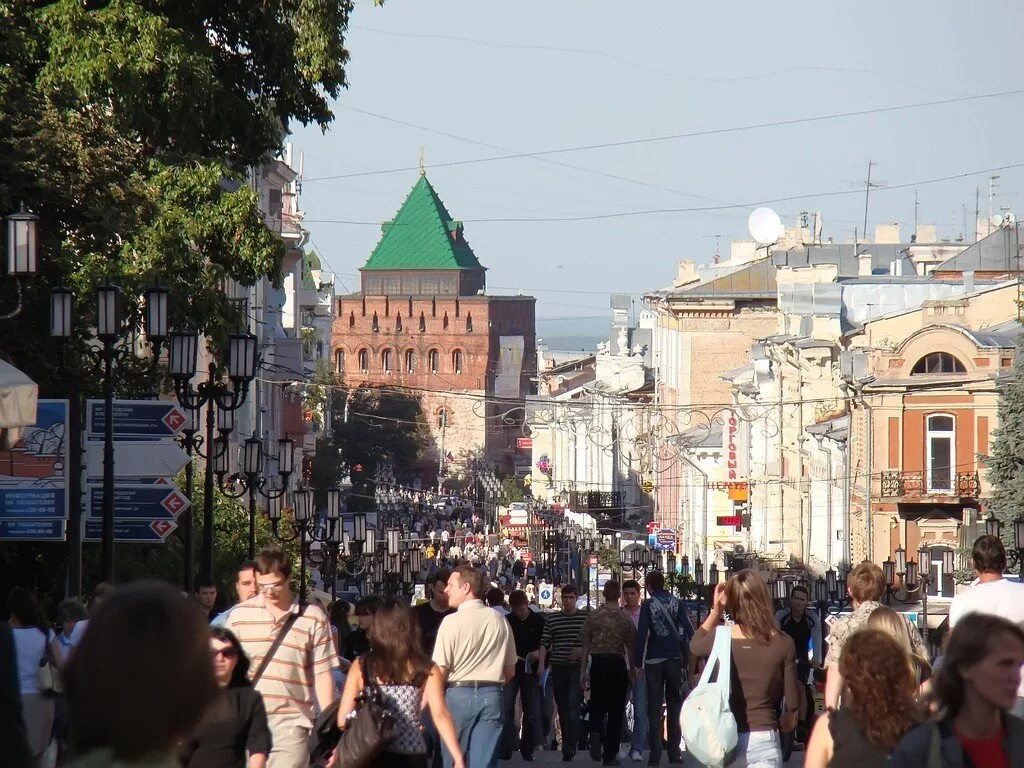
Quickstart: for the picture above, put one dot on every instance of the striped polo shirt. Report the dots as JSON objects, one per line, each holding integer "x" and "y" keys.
{"x": 287, "y": 685}
{"x": 563, "y": 633}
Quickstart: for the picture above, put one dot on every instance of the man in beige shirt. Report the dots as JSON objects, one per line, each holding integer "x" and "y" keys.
{"x": 475, "y": 650}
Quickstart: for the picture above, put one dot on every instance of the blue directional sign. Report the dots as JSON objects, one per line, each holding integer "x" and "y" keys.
{"x": 145, "y": 502}
{"x": 140, "y": 531}
{"x": 136, "y": 419}
{"x": 33, "y": 503}
{"x": 31, "y": 530}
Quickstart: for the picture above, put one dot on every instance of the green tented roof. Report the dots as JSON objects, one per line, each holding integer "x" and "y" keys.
{"x": 419, "y": 237}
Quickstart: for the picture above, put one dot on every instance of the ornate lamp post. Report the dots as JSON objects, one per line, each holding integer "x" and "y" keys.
{"x": 924, "y": 564}
{"x": 113, "y": 336}
{"x": 22, "y": 252}
{"x": 219, "y": 397}
{"x": 992, "y": 525}
{"x": 250, "y": 479}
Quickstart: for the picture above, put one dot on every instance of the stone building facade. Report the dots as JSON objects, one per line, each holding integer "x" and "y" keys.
{"x": 424, "y": 325}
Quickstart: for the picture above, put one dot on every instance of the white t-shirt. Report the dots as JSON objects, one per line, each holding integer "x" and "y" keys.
{"x": 1000, "y": 598}
{"x": 29, "y": 646}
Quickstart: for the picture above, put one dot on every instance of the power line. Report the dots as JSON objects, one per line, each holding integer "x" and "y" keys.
{"x": 686, "y": 135}
{"x": 701, "y": 209}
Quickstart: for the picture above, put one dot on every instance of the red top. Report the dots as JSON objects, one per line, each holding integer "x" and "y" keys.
{"x": 985, "y": 753}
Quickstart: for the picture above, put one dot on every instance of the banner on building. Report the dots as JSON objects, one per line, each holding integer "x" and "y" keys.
{"x": 509, "y": 375}
{"x": 737, "y": 448}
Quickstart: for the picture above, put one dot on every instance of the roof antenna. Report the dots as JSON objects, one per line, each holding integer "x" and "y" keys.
{"x": 423, "y": 161}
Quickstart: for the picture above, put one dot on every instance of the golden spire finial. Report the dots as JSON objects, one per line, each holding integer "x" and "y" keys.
{"x": 423, "y": 161}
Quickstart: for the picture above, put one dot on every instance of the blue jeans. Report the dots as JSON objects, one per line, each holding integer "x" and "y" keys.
{"x": 477, "y": 716}
{"x": 639, "y": 741}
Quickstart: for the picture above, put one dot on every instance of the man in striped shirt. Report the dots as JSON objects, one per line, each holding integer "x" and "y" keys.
{"x": 562, "y": 649}
{"x": 301, "y": 666}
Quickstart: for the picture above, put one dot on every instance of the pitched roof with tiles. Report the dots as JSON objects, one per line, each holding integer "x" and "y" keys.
{"x": 422, "y": 235}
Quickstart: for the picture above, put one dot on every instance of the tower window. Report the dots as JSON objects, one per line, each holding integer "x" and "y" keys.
{"x": 364, "y": 361}
{"x": 423, "y": 322}
{"x": 444, "y": 322}
{"x": 410, "y": 361}
{"x": 339, "y": 361}
{"x": 398, "y": 322}
{"x": 434, "y": 360}
{"x": 469, "y": 322}
{"x": 385, "y": 361}
{"x": 457, "y": 361}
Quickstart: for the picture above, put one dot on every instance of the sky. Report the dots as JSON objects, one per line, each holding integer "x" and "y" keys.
{"x": 469, "y": 80}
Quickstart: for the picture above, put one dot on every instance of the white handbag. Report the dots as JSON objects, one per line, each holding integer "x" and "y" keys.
{"x": 708, "y": 725}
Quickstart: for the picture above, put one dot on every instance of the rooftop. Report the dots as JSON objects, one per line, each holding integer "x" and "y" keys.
{"x": 422, "y": 236}
{"x": 997, "y": 252}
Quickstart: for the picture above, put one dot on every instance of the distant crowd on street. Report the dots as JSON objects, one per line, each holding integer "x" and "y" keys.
{"x": 146, "y": 677}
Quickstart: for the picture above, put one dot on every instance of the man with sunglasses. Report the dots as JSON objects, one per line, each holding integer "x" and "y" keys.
{"x": 306, "y": 645}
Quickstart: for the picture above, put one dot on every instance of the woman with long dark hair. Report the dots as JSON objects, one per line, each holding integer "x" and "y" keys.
{"x": 32, "y": 643}
{"x": 974, "y": 691}
{"x": 140, "y": 680}
{"x": 409, "y": 681}
{"x": 879, "y": 704}
{"x": 764, "y": 695}
{"x": 235, "y": 725}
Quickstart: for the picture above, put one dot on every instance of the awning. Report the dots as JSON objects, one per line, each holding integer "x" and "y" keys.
{"x": 18, "y": 396}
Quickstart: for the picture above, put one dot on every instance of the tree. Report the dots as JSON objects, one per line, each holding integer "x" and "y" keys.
{"x": 127, "y": 128}
{"x": 1006, "y": 461}
{"x": 372, "y": 427}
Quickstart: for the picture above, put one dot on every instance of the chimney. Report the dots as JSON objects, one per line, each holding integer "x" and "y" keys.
{"x": 864, "y": 265}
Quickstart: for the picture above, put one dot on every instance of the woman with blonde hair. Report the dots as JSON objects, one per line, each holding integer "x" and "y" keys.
{"x": 893, "y": 624}
{"x": 878, "y": 705}
{"x": 764, "y": 696}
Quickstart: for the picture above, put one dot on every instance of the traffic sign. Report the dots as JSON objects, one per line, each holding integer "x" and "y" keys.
{"x": 33, "y": 503}
{"x": 139, "y": 531}
{"x": 144, "y": 502}
{"x": 136, "y": 419}
{"x": 156, "y": 458}
{"x": 32, "y": 530}
{"x": 545, "y": 594}
{"x": 647, "y": 486}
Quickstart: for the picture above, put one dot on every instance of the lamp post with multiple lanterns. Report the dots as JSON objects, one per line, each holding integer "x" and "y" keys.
{"x": 114, "y": 338}
{"x": 22, "y": 252}
{"x": 221, "y": 399}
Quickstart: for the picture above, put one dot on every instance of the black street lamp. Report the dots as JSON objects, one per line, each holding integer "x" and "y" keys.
{"x": 698, "y": 575}
{"x": 219, "y": 397}
{"x": 111, "y": 332}
{"x": 22, "y": 252}
{"x": 1018, "y": 545}
{"x": 924, "y": 564}
{"x": 250, "y": 479}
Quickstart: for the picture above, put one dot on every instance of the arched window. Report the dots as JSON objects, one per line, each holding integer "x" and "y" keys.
{"x": 410, "y": 361}
{"x": 364, "y": 306}
{"x": 433, "y": 307}
{"x": 398, "y": 322}
{"x": 364, "y": 361}
{"x": 469, "y": 322}
{"x": 434, "y": 360}
{"x": 457, "y": 361}
{"x": 457, "y": 307}
{"x": 410, "y": 307}
{"x": 352, "y": 319}
{"x": 385, "y": 361}
{"x": 938, "y": 362}
{"x": 423, "y": 323}
{"x": 387, "y": 307}
{"x": 444, "y": 323}
{"x": 375, "y": 323}
{"x": 339, "y": 361}
{"x": 940, "y": 452}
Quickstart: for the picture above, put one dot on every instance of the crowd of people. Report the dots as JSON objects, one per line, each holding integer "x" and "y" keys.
{"x": 474, "y": 674}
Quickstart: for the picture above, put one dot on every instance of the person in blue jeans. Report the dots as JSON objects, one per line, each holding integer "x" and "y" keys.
{"x": 662, "y": 646}
{"x": 474, "y": 648}
{"x": 638, "y": 688}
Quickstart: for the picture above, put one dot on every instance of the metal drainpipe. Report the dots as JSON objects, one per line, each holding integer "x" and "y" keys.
{"x": 704, "y": 507}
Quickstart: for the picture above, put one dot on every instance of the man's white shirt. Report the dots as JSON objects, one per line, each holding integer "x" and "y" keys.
{"x": 999, "y": 598}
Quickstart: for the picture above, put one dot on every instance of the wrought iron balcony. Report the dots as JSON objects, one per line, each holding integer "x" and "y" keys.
{"x": 960, "y": 484}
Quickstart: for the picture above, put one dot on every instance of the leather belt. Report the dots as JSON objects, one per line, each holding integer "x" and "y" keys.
{"x": 473, "y": 684}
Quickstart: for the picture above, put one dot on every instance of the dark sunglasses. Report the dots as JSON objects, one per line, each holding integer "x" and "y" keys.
{"x": 227, "y": 653}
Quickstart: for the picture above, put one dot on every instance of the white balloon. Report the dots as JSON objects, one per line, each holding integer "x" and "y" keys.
{"x": 765, "y": 226}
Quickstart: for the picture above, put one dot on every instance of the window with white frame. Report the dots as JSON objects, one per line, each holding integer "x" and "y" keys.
{"x": 940, "y": 452}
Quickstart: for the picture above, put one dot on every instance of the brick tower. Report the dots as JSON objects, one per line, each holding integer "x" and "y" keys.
{"x": 423, "y": 323}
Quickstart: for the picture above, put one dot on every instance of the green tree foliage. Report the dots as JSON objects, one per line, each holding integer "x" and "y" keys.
{"x": 511, "y": 490}
{"x": 127, "y": 127}
{"x": 372, "y": 427}
{"x": 1006, "y": 461}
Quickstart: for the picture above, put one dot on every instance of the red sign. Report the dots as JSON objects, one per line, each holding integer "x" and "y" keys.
{"x": 524, "y": 443}
{"x": 731, "y": 446}
{"x": 730, "y": 521}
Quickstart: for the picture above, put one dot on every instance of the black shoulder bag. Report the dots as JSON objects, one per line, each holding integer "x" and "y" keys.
{"x": 371, "y": 730}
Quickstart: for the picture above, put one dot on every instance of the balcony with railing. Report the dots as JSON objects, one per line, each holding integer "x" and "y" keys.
{"x": 897, "y": 484}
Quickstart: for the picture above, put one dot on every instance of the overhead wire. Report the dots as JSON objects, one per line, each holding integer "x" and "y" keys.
{"x": 684, "y": 135}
